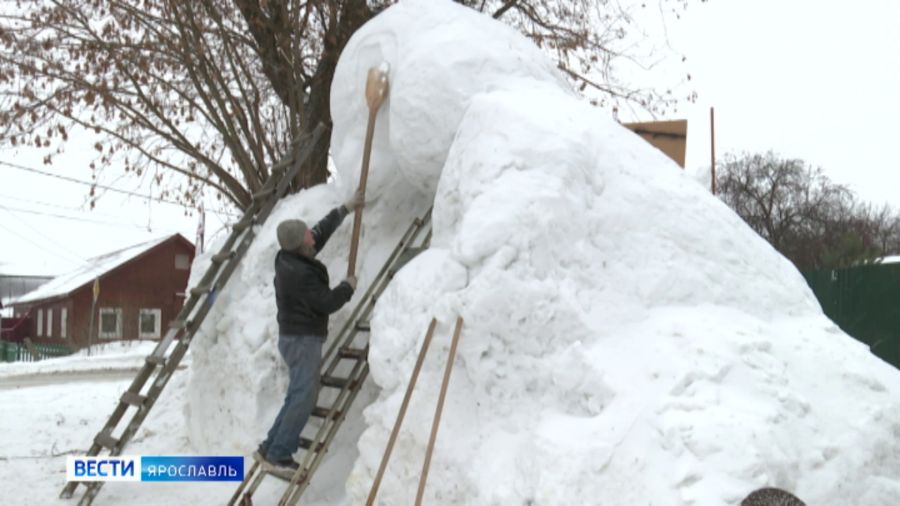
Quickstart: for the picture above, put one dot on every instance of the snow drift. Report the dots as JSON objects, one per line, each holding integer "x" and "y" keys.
{"x": 627, "y": 338}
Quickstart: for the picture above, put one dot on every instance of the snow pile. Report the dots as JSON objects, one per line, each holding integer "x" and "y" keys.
{"x": 107, "y": 357}
{"x": 429, "y": 92}
{"x": 627, "y": 339}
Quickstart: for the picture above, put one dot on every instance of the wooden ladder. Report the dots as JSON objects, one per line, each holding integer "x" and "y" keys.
{"x": 345, "y": 367}
{"x": 370, "y": 501}
{"x": 164, "y": 359}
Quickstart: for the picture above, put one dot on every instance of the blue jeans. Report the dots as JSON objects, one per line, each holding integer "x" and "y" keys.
{"x": 303, "y": 355}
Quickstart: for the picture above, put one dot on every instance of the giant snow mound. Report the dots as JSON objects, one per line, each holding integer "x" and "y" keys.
{"x": 627, "y": 340}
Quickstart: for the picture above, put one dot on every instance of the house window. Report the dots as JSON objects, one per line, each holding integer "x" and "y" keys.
{"x": 40, "y": 322}
{"x": 182, "y": 262}
{"x": 50, "y": 322}
{"x": 149, "y": 323}
{"x": 63, "y": 323}
{"x": 110, "y": 323}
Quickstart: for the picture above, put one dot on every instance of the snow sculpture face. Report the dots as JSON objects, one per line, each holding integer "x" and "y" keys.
{"x": 438, "y": 60}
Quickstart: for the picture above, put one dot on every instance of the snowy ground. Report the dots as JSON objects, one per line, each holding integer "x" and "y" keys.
{"x": 109, "y": 357}
{"x": 53, "y": 408}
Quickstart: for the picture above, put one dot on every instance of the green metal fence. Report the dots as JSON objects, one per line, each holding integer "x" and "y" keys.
{"x": 865, "y": 302}
{"x": 15, "y": 352}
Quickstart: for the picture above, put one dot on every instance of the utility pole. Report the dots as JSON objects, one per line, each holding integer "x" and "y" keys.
{"x": 96, "y": 293}
{"x": 712, "y": 148}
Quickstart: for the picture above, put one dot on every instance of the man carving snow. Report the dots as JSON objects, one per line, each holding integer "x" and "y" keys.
{"x": 304, "y": 300}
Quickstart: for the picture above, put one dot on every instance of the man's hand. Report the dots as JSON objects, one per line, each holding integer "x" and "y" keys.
{"x": 357, "y": 201}
{"x": 351, "y": 280}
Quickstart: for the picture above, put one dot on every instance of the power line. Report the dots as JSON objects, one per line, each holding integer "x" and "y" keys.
{"x": 80, "y": 260}
{"x": 88, "y": 183}
{"x": 57, "y": 206}
{"x": 98, "y": 185}
{"x": 73, "y": 218}
{"x": 49, "y": 240}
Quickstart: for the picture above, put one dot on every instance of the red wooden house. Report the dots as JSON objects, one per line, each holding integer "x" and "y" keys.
{"x": 141, "y": 289}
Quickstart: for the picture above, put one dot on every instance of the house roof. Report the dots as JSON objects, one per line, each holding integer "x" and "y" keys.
{"x": 94, "y": 268}
{"x": 6, "y": 311}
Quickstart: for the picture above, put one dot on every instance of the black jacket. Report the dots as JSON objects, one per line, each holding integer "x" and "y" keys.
{"x": 301, "y": 285}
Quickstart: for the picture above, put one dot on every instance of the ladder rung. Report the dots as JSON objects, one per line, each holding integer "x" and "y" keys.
{"x": 200, "y": 290}
{"x": 180, "y": 324}
{"x": 353, "y": 353}
{"x": 275, "y": 473}
{"x": 282, "y": 164}
{"x": 156, "y": 360}
{"x": 244, "y": 223}
{"x": 306, "y": 444}
{"x": 133, "y": 399}
{"x": 321, "y": 412}
{"x": 264, "y": 192}
{"x": 222, "y": 257}
{"x": 105, "y": 440}
{"x": 335, "y": 382}
{"x": 363, "y": 326}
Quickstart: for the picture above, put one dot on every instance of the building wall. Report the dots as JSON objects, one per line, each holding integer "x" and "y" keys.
{"x": 15, "y": 330}
{"x": 148, "y": 282}
{"x": 50, "y": 327}
{"x": 670, "y": 137}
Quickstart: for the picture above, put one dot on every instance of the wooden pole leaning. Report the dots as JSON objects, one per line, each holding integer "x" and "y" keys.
{"x": 376, "y": 92}
{"x": 437, "y": 412}
{"x": 409, "y": 390}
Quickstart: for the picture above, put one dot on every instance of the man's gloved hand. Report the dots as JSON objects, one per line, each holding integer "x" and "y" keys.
{"x": 355, "y": 202}
{"x": 351, "y": 280}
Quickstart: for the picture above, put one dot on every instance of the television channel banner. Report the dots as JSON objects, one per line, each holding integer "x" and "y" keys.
{"x": 154, "y": 468}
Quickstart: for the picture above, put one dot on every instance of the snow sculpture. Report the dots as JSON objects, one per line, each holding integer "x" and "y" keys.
{"x": 628, "y": 339}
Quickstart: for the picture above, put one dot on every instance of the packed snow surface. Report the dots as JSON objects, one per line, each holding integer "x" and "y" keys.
{"x": 627, "y": 338}
{"x": 108, "y": 357}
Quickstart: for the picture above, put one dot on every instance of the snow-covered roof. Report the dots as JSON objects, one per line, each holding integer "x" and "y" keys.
{"x": 6, "y": 311}
{"x": 891, "y": 260}
{"x": 94, "y": 268}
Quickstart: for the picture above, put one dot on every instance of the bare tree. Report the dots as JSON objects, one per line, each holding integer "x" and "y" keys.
{"x": 812, "y": 221}
{"x": 178, "y": 86}
{"x": 215, "y": 90}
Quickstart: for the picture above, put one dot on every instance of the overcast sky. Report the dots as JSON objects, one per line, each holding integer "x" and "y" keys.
{"x": 815, "y": 80}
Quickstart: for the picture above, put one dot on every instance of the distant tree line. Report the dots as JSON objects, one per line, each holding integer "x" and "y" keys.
{"x": 814, "y": 222}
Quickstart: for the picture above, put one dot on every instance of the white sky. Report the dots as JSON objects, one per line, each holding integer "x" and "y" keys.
{"x": 815, "y": 80}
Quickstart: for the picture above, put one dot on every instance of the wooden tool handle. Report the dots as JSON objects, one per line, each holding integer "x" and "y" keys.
{"x": 376, "y": 91}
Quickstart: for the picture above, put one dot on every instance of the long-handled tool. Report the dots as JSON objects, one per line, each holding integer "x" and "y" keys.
{"x": 409, "y": 390}
{"x": 376, "y": 91}
{"x": 437, "y": 412}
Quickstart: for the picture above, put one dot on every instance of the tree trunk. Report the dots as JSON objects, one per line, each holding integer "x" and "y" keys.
{"x": 318, "y": 107}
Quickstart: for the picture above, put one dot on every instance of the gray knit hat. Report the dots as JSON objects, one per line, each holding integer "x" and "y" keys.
{"x": 290, "y": 234}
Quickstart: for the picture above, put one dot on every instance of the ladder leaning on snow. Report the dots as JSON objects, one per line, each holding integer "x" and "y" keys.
{"x": 345, "y": 367}
{"x": 163, "y": 361}
{"x": 437, "y": 413}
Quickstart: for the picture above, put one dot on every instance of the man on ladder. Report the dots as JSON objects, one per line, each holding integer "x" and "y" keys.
{"x": 304, "y": 300}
